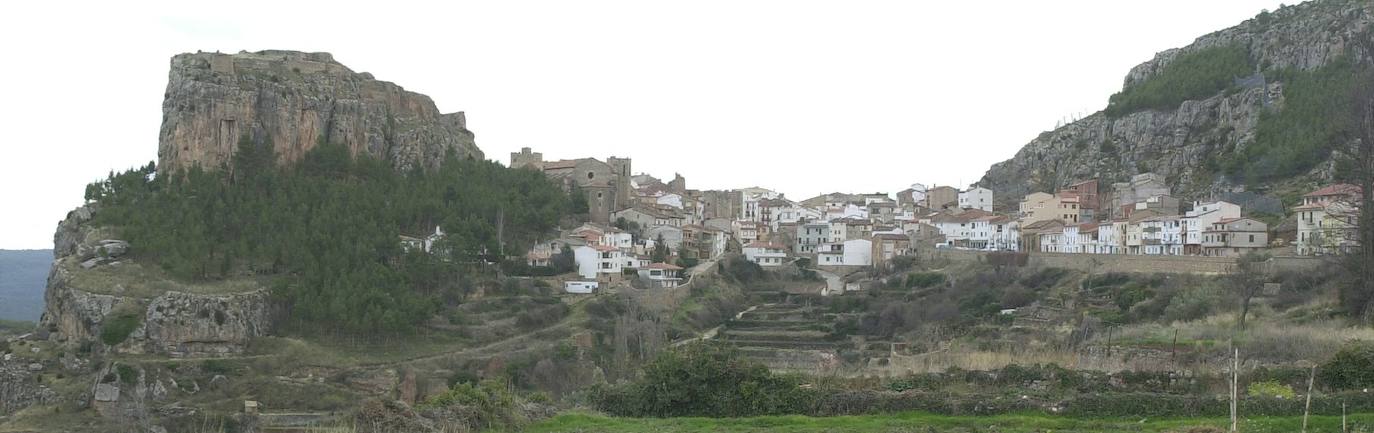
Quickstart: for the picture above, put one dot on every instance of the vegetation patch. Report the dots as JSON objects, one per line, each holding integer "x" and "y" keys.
{"x": 1315, "y": 117}
{"x": 1190, "y": 76}
{"x": 117, "y": 327}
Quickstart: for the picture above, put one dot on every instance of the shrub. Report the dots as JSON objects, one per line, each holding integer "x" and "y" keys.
{"x": 215, "y": 366}
{"x": 485, "y": 405}
{"x": 1270, "y": 389}
{"x": 1352, "y": 367}
{"x": 117, "y": 329}
{"x": 1044, "y": 278}
{"x": 704, "y": 379}
{"x": 127, "y": 375}
{"x": 924, "y": 279}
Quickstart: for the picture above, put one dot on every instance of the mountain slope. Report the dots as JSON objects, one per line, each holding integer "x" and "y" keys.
{"x": 1256, "y": 107}
{"x": 23, "y": 275}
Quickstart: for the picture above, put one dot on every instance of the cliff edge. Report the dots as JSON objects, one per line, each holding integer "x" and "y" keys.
{"x": 292, "y": 101}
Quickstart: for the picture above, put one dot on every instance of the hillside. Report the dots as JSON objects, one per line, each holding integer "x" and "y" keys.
{"x": 1256, "y": 107}
{"x": 23, "y": 274}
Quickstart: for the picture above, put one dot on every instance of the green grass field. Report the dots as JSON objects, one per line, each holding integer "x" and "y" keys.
{"x": 924, "y": 422}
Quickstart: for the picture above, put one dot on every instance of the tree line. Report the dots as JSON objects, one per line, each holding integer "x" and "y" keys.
{"x": 326, "y": 230}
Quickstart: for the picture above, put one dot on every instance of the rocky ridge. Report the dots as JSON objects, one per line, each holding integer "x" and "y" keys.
{"x": 1176, "y": 143}
{"x": 292, "y": 101}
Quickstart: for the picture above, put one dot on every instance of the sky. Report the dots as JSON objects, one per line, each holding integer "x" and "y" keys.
{"x": 804, "y": 97}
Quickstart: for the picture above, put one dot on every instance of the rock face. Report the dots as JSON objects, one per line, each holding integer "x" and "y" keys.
{"x": 1176, "y": 143}
{"x": 293, "y": 101}
{"x": 20, "y": 388}
{"x": 171, "y": 321}
{"x": 191, "y": 325}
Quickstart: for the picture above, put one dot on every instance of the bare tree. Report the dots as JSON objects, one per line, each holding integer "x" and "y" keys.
{"x": 1358, "y": 293}
{"x": 1246, "y": 280}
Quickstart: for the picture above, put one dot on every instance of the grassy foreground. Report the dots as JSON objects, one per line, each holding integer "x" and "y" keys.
{"x": 924, "y": 422}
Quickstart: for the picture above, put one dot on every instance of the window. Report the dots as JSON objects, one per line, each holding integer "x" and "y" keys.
{"x": 591, "y": 175}
{"x": 1252, "y": 238}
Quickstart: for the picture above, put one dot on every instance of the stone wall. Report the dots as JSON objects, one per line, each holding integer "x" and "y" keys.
{"x": 1136, "y": 263}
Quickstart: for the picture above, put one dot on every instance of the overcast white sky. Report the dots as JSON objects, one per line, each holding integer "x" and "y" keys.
{"x": 801, "y": 96}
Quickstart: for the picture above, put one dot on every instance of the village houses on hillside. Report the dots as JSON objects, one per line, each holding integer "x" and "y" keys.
{"x": 654, "y": 231}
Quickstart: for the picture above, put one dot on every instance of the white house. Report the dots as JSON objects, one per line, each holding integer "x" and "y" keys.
{"x": 765, "y": 253}
{"x": 1069, "y": 241}
{"x": 976, "y": 198}
{"x": 811, "y": 236}
{"x": 595, "y": 260}
{"x": 1111, "y": 237}
{"x": 660, "y": 275}
{"x": 1328, "y": 220}
{"x": 1201, "y": 218}
{"x": 745, "y": 231}
{"x": 857, "y": 252}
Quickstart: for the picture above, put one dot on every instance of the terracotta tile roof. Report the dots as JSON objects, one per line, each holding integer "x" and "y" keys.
{"x": 891, "y": 236}
{"x": 766, "y": 245}
{"x": 663, "y": 266}
{"x": 1337, "y": 189}
{"x": 605, "y": 248}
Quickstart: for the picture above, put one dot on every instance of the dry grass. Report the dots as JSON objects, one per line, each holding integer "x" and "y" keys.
{"x": 134, "y": 279}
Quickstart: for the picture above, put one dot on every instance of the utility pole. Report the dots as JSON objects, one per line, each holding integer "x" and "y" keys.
{"x": 1307, "y": 408}
{"x": 1235, "y": 386}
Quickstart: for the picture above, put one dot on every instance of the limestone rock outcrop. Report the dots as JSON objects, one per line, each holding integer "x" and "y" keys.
{"x": 172, "y": 320}
{"x": 292, "y": 101}
{"x": 1177, "y": 143}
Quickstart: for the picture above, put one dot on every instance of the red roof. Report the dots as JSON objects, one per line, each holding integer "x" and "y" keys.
{"x": 1337, "y": 189}
{"x": 605, "y": 248}
{"x": 663, "y": 266}
{"x": 761, "y": 244}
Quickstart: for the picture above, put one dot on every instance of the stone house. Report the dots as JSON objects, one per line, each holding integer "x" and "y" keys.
{"x": 942, "y": 197}
{"x": 888, "y": 246}
{"x": 1231, "y": 237}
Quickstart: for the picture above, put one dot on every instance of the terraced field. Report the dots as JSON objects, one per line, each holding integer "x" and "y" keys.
{"x": 790, "y": 335}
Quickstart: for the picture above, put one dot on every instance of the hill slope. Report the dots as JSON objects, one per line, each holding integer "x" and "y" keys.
{"x": 1257, "y": 107}
{"x": 23, "y": 274}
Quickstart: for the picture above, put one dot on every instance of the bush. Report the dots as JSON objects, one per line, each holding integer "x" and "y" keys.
{"x": 117, "y": 329}
{"x": 127, "y": 375}
{"x": 924, "y": 279}
{"x": 541, "y": 317}
{"x": 743, "y": 270}
{"x": 1352, "y": 367}
{"x": 486, "y": 405}
{"x": 704, "y": 379}
{"x": 1044, "y": 278}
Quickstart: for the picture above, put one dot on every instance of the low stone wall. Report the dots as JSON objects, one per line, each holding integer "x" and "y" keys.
{"x": 1136, "y": 263}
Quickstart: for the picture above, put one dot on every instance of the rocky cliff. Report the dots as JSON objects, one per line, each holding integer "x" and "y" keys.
{"x": 92, "y": 283}
{"x": 292, "y": 101}
{"x": 1188, "y": 142}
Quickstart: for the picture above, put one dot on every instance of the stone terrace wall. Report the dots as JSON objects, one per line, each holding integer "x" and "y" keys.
{"x": 1137, "y": 263}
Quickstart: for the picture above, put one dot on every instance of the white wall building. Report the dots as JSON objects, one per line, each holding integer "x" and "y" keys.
{"x": 595, "y": 260}
{"x": 858, "y": 252}
{"x": 976, "y": 198}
